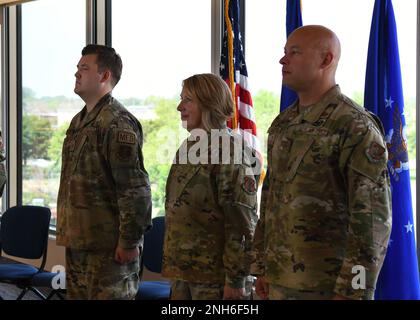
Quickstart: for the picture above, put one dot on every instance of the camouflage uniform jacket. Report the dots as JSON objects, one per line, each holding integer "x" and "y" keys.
{"x": 326, "y": 200}
{"x": 210, "y": 220}
{"x": 104, "y": 197}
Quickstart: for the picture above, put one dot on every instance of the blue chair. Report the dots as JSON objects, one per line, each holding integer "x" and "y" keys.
{"x": 24, "y": 234}
{"x": 152, "y": 260}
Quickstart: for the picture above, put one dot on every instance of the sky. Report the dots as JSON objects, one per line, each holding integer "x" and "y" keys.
{"x": 350, "y": 20}
{"x": 53, "y": 35}
{"x": 163, "y": 42}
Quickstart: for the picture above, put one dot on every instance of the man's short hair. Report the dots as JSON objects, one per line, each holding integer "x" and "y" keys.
{"x": 107, "y": 59}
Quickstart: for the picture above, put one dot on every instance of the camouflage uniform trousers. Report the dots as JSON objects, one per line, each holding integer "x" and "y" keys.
{"x": 276, "y": 292}
{"x": 93, "y": 275}
{"x": 183, "y": 290}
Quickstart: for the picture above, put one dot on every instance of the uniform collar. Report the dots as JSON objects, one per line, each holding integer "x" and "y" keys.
{"x": 313, "y": 112}
{"x": 86, "y": 118}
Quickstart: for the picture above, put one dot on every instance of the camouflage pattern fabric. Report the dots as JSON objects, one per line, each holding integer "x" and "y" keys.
{"x": 210, "y": 220}
{"x": 104, "y": 198}
{"x": 92, "y": 275}
{"x": 282, "y": 293}
{"x": 326, "y": 200}
{"x": 181, "y": 290}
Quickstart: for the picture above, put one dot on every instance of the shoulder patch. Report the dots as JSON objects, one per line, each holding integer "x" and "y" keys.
{"x": 249, "y": 185}
{"x": 124, "y": 153}
{"x": 375, "y": 152}
{"x": 126, "y": 137}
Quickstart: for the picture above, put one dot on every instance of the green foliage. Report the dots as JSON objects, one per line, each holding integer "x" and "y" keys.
{"x": 161, "y": 138}
{"x": 56, "y": 145}
{"x": 267, "y": 107}
{"x": 36, "y": 134}
{"x": 410, "y": 122}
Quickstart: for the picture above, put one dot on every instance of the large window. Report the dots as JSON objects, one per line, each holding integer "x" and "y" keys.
{"x": 161, "y": 43}
{"x": 53, "y": 35}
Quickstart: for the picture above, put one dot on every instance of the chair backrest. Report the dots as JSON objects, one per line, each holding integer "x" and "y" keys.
{"x": 24, "y": 231}
{"x": 153, "y": 245}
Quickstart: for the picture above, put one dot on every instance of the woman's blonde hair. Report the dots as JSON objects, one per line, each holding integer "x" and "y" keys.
{"x": 213, "y": 98}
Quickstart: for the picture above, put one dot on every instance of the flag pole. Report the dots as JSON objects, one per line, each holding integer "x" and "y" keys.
{"x": 232, "y": 84}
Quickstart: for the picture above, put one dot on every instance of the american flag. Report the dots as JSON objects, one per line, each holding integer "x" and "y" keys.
{"x": 233, "y": 70}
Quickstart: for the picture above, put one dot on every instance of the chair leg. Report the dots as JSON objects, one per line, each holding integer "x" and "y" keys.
{"x": 51, "y": 294}
{"x": 55, "y": 292}
{"x": 38, "y": 293}
{"x": 22, "y": 294}
{"x": 60, "y": 296}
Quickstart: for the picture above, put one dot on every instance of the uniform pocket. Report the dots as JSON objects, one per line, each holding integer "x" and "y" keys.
{"x": 313, "y": 154}
{"x": 78, "y": 151}
{"x": 179, "y": 177}
{"x": 297, "y": 153}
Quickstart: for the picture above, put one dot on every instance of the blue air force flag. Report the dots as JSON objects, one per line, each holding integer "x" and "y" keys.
{"x": 399, "y": 277}
{"x": 293, "y": 21}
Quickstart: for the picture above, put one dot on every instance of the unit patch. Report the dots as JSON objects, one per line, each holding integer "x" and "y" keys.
{"x": 124, "y": 153}
{"x": 249, "y": 185}
{"x": 375, "y": 152}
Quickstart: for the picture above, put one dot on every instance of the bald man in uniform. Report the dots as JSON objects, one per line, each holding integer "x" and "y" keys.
{"x": 325, "y": 216}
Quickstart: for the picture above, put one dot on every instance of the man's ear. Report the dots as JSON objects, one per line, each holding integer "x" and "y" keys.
{"x": 328, "y": 59}
{"x": 106, "y": 75}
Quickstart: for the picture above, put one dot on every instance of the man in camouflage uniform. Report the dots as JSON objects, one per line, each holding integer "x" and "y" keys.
{"x": 326, "y": 202}
{"x": 211, "y": 200}
{"x": 104, "y": 200}
{"x": 3, "y": 175}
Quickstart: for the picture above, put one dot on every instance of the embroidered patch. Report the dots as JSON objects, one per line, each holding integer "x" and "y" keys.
{"x": 249, "y": 185}
{"x": 126, "y": 137}
{"x": 124, "y": 153}
{"x": 375, "y": 152}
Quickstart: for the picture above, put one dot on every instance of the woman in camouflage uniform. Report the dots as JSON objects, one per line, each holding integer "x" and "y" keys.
{"x": 211, "y": 200}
